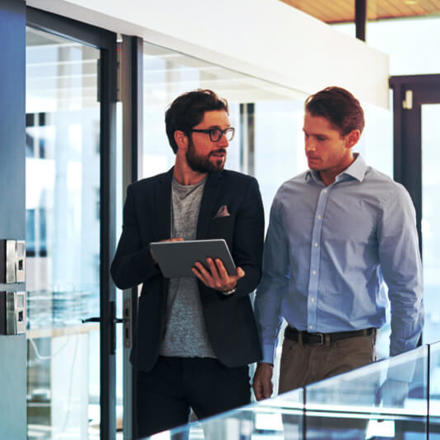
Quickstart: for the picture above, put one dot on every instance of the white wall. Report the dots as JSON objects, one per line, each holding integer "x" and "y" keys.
{"x": 263, "y": 38}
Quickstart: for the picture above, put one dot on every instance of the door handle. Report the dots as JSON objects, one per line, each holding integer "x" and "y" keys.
{"x": 98, "y": 319}
{"x": 94, "y": 319}
{"x": 113, "y": 321}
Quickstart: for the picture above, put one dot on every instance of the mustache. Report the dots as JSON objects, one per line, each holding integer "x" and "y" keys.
{"x": 220, "y": 150}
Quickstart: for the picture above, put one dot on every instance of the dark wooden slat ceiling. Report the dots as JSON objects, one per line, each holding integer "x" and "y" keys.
{"x": 341, "y": 11}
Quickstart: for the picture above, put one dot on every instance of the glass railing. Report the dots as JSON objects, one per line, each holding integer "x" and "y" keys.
{"x": 396, "y": 398}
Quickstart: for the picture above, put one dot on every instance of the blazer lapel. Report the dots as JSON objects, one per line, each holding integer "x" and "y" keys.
{"x": 163, "y": 204}
{"x": 208, "y": 203}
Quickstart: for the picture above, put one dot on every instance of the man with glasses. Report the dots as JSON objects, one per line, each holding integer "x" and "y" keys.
{"x": 335, "y": 232}
{"x": 195, "y": 336}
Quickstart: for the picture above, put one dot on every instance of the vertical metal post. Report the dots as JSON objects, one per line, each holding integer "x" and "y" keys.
{"x": 361, "y": 19}
{"x": 107, "y": 244}
{"x": 247, "y": 140}
{"x": 12, "y": 218}
{"x": 131, "y": 74}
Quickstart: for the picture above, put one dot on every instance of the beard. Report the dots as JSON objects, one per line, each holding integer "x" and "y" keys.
{"x": 202, "y": 164}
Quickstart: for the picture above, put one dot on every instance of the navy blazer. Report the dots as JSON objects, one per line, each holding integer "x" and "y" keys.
{"x": 229, "y": 319}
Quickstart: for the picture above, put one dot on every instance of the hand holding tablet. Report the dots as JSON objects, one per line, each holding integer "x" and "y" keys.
{"x": 177, "y": 258}
{"x": 216, "y": 276}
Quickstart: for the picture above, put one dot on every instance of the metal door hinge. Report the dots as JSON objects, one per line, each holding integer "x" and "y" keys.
{"x": 407, "y": 103}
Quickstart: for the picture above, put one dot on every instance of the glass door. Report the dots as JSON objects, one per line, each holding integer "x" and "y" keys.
{"x": 430, "y": 115}
{"x": 71, "y": 363}
{"x": 416, "y": 165}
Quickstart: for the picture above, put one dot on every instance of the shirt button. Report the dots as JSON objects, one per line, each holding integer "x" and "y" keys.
{"x": 324, "y": 191}
{"x": 310, "y": 327}
{"x": 316, "y": 244}
{"x": 319, "y": 217}
{"x": 312, "y": 300}
{"x": 314, "y": 272}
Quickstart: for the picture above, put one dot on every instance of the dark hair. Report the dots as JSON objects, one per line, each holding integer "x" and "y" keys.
{"x": 339, "y": 107}
{"x": 187, "y": 110}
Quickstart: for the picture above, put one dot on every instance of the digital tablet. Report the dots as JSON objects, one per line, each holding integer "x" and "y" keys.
{"x": 177, "y": 258}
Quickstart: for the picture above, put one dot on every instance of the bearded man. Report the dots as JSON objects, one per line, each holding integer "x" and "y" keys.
{"x": 194, "y": 336}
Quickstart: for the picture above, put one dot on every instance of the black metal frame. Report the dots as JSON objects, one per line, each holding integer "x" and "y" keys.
{"x": 131, "y": 67}
{"x": 105, "y": 41}
{"x": 361, "y": 19}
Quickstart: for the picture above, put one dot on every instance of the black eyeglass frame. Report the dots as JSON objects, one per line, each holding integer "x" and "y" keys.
{"x": 211, "y": 131}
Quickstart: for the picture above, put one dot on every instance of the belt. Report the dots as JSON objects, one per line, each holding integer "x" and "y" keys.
{"x": 324, "y": 338}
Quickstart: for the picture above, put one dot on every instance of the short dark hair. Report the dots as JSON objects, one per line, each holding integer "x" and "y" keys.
{"x": 187, "y": 110}
{"x": 339, "y": 107}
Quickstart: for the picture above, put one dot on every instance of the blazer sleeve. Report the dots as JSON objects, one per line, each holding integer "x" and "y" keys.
{"x": 133, "y": 263}
{"x": 248, "y": 239}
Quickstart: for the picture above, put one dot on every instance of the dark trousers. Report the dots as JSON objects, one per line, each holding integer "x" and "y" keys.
{"x": 174, "y": 385}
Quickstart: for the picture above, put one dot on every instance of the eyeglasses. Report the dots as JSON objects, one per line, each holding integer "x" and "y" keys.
{"x": 215, "y": 134}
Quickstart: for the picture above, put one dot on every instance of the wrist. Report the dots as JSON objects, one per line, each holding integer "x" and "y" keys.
{"x": 265, "y": 364}
{"x": 230, "y": 291}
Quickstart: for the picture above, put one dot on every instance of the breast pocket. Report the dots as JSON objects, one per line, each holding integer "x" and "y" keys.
{"x": 222, "y": 227}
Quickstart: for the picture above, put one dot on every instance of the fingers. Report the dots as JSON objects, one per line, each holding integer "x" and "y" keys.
{"x": 216, "y": 276}
{"x": 202, "y": 274}
{"x": 240, "y": 273}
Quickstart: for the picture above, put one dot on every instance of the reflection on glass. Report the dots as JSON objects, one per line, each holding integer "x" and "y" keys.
{"x": 62, "y": 234}
{"x": 434, "y": 391}
{"x": 384, "y": 400}
{"x": 387, "y": 399}
{"x": 273, "y": 419}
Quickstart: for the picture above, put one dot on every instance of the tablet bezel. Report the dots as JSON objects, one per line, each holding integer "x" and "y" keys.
{"x": 177, "y": 258}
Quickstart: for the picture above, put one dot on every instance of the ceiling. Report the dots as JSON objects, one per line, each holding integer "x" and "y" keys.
{"x": 341, "y": 11}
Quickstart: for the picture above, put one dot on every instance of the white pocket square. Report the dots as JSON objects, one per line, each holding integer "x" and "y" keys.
{"x": 222, "y": 212}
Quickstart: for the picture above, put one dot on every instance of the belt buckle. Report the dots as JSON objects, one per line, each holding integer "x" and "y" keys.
{"x": 321, "y": 338}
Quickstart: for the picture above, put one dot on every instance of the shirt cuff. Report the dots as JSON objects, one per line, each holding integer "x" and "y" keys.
{"x": 268, "y": 353}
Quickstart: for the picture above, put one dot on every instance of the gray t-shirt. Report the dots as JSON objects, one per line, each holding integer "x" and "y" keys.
{"x": 185, "y": 334}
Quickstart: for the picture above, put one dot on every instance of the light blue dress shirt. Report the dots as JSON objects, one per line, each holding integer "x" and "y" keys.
{"x": 328, "y": 250}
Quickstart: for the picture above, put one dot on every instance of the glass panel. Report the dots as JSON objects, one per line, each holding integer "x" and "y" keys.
{"x": 62, "y": 233}
{"x": 279, "y": 145}
{"x": 274, "y": 419}
{"x": 430, "y": 227}
{"x": 387, "y": 399}
{"x": 434, "y": 392}
{"x": 167, "y": 74}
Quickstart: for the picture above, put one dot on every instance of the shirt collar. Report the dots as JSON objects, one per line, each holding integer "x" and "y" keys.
{"x": 356, "y": 170}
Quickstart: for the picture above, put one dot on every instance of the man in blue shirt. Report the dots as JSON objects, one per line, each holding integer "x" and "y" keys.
{"x": 335, "y": 233}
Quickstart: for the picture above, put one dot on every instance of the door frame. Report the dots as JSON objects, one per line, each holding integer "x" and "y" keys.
{"x": 105, "y": 41}
{"x": 410, "y": 92}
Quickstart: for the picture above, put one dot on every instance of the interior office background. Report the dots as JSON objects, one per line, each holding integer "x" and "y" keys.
{"x": 63, "y": 190}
